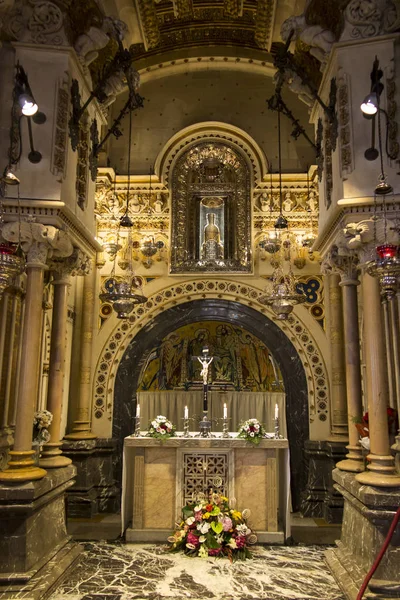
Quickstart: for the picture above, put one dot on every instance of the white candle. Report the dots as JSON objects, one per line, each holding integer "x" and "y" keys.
{"x": 137, "y": 410}
{"x": 186, "y": 413}
{"x": 276, "y": 411}
{"x": 225, "y": 411}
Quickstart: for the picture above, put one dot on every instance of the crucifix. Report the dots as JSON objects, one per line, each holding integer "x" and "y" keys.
{"x": 205, "y": 360}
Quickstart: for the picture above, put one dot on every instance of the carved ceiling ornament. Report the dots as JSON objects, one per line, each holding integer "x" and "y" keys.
{"x": 211, "y": 169}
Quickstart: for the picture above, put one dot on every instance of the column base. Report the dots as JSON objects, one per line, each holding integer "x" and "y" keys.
{"x": 21, "y": 468}
{"x": 52, "y": 456}
{"x": 380, "y": 472}
{"x": 81, "y": 431}
{"x": 34, "y": 556}
{"x": 354, "y": 461}
{"x": 371, "y": 512}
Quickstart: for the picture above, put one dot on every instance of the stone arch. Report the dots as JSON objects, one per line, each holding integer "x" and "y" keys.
{"x": 284, "y": 352}
{"x": 214, "y": 131}
{"x": 118, "y": 335}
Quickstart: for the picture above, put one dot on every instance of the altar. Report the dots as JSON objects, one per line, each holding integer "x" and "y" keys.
{"x": 160, "y": 477}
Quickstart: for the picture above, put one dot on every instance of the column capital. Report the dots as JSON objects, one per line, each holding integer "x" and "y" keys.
{"x": 39, "y": 242}
{"x": 77, "y": 263}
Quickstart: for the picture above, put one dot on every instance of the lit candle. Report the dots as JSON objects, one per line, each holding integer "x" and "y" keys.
{"x": 137, "y": 410}
{"x": 186, "y": 413}
{"x": 276, "y": 411}
{"x": 225, "y": 411}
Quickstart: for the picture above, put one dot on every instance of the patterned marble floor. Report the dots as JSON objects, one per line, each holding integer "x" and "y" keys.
{"x": 114, "y": 571}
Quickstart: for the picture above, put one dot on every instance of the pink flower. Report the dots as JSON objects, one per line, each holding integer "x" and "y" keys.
{"x": 193, "y": 539}
{"x": 240, "y": 541}
{"x": 198, "y": 515}
{"x": 214, "y": 551}
{"x": 227, "y": 523}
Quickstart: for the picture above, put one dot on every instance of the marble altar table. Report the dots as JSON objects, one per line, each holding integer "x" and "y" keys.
{"x": 159, "y": 478}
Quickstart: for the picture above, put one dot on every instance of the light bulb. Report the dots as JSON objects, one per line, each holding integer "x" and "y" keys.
{"x": 370, "y": 104}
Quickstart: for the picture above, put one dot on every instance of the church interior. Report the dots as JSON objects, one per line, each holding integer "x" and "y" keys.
{"x": 199, "y": 299}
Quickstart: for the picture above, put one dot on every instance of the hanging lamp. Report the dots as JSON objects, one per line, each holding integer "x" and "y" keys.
{"x": 12, "y": 263}
{"x": 284, "y": 294}
{"x": 124, "y": 292}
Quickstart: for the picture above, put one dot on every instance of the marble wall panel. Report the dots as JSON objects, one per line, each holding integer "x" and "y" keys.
{"x": 159, "y": 488}
{"x": 289, "y": 362}
{"x": 251, "y": 485}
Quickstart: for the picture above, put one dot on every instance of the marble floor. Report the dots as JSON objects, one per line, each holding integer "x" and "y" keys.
{"x": 118, "y": 571}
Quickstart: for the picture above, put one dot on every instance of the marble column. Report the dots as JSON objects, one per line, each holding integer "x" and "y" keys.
{"x": 81, "y": 429}
{"x": 354, "y": 460}
{"x": 9, "y": 374}
{"x": 389, "y": 355}
{"x": 52, "y": 456}
{"x": 339, "y": 428}
{"x": 380, "y": 469}
{"x": 394, "y": 325}
{"x": 21, "y": 463}
{"x": 3, "y": 328}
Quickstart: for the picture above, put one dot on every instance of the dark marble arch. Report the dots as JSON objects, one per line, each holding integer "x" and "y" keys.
{"x": 232, "y": 312}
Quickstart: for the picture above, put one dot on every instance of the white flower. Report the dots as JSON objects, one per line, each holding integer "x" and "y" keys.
{"x": 232, "y": 543}
{"x": 219, "y": 539}
{"x": 154, "y": 424}
{"x": 197, "y": 508}
{"x": 163, "y": 431}
{"x": 243, "y": 529}
{"x": 203, "y": 527}
{"x": 251, "y": 433}
{"x": 190, "y": 521}
{"x": 202, "y": 539}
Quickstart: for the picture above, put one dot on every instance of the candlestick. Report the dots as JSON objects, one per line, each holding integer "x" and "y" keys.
{"x": 185, "y": 427}
{"x": 225, "y": 428}
{"x": 137, "y": 425}
{"x": 276, "y": 428}
{"x": 225, "y": 411}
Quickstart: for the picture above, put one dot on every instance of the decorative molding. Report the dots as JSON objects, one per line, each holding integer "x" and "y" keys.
{"x": 212, "y": 131}
{"x": 294, "y": 328}
{"x": 345, "y": 126}
{"x": 60, "y": 145}
{"x": 264, "y": 23}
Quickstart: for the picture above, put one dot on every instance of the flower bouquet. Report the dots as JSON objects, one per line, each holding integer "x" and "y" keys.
{"x": 161, "y": 428}
{"x": 212, "y": 528}
{"x": 41, "y": 421}
{"x": 251, "y": 431}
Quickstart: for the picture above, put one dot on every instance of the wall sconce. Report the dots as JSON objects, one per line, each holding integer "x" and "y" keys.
{"x": 371, "y": 109}
{"x": 23, "y": 105}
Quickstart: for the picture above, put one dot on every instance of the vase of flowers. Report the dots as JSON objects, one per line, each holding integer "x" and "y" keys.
{"x": 252, "y": 431}
{"x": 211, "y": 527}
{"x": 161, "y": 428}
{"x": 41, "y": 422}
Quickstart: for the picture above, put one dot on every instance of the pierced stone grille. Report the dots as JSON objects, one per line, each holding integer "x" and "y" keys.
{"x": 202, "y": 472}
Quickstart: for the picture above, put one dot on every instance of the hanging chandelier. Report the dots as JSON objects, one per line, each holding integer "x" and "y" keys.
{"x": 386, "y": 265}
{"x": 284, "y": 294}
{"x": 11, "y": 265}
{"x": 124, "y": 292}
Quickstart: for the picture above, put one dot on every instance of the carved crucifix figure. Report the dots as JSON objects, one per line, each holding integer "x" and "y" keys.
{"x": 205, "y": 360}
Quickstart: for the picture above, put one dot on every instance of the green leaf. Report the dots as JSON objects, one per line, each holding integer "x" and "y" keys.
{"x": 217, "y": 527}
{"x": 187, "y": 512}
{"x": 211, "y": 541}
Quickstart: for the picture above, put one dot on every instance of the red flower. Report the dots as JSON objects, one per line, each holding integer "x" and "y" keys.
{"x": 209, "y": 507}
{"x": 214, "y": 551}
{"x": 240, "y": 541}
{"x": 193, "y": 539}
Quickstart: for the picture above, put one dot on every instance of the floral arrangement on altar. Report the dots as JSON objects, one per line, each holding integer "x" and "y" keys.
{"x": 41, "y": 421}
{"x": 161, "y": 428}
{"x": 252, "y": 431}
{"x": 212, "y": 528}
